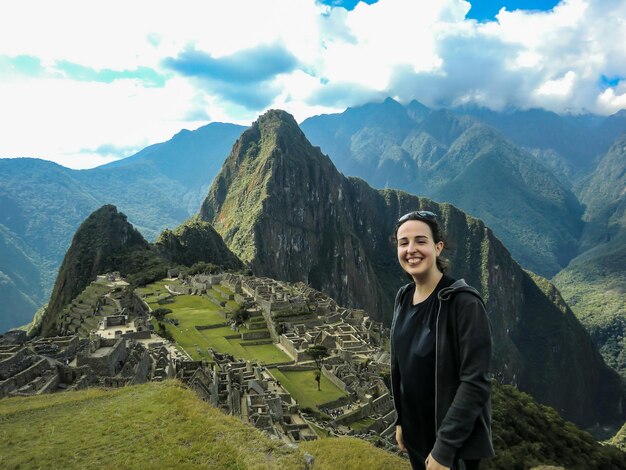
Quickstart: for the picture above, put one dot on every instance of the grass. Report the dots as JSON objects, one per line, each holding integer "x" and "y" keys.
{"x": 159, "y": 425}
{"x": 153, "y": 292}
{"x": 362, "y": 423}
{"x": 156, "y": 425}
{"x": 352, "y": 453}
{"x": 303, "y": 388}
{"x": 194, "y": 310}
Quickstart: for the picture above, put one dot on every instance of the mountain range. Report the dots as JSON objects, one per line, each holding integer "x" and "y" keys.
{"x": 550, "y": 187}
{"x": 282, "y": 207}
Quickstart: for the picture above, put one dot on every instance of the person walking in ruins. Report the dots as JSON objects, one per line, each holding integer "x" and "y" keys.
{"x": 440, "y": 356}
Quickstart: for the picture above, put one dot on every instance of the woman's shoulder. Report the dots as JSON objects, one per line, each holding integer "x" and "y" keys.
{"x": 403, "y": 290}
{"x": 459, "y": 292}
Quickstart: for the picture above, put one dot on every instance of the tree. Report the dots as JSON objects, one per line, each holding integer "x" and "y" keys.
{"x": 240, "y": 316}
{"x": 318, "y": 352}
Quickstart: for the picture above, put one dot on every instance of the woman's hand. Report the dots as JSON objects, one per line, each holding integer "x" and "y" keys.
{"x": 431, "y": 463}
{"x": 400, "y": 439}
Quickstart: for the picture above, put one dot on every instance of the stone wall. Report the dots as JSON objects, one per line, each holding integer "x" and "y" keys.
{"x": 109, "y": 364}
{"x": 14, "y": 362}
{"x": 145, "y": 334}
{"x": 141, "y": 369}
{"x": 255, "y": 335}
{"x": 25, "y": 376}
{"x": 335, "y": 380}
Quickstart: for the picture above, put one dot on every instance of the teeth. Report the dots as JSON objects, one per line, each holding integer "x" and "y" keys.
{"x": 414, "y": 260}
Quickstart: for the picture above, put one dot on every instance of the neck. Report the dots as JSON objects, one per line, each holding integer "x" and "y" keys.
{"x": 425, "y": 285}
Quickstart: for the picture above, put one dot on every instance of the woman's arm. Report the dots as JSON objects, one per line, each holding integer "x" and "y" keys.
{"x": 474, "y": 341}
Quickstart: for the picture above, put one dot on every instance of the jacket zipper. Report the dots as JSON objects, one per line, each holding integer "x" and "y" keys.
{"x": 436, "y": 362}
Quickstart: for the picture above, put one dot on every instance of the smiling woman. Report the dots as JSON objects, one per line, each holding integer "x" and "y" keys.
{"x": 440, "y": 356}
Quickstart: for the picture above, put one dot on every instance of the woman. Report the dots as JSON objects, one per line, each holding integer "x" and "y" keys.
{"x": 440, "y": 356}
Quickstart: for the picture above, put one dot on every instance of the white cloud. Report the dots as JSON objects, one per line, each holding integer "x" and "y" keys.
{"x": 54, "y": 118}
{"x": 611, "y": 102}
{"x": 403, "y": 48}
{"x": 561, "y": 87}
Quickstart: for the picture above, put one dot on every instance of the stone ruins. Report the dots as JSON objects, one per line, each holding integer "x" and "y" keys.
{"x": 107, "y": 340}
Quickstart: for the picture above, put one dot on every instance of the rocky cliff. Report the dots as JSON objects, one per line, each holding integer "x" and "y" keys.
{"x": 282, "y": 207}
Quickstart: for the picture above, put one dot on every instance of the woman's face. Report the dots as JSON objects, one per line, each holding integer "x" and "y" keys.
{"x": 417, "y": 251}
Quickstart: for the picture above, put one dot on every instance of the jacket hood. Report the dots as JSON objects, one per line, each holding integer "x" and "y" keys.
{"x": 458, "y": 286}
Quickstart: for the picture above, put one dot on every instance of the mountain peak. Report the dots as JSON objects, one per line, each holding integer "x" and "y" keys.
{"x": 276, "y": 116}
{"x": 104, "y": 233}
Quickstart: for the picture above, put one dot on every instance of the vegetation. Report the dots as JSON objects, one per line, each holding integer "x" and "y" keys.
{"x": 318, "y": 352}
{"x": 160, "y": 425}
{"x": 527, "y": 434}
{"x": 351, "y": 453}
{"x": 202, "y": 267}
{"x": 197, "y": 244}
{"x": 299, "y": 385}
{"x": 160, "y": 312}
{"x": 594, "y": 286}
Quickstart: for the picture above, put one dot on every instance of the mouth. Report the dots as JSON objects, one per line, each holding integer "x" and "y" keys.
{"x": 413, "y": 261}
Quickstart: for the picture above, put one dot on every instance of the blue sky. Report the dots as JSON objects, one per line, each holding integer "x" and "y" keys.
{"x": 487, "y": 10}
{"x": 481, "y": 10}
{"x": 87, "y": 83}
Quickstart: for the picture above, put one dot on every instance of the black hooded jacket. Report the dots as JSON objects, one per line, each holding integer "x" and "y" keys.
{"x": 462, "y": 385}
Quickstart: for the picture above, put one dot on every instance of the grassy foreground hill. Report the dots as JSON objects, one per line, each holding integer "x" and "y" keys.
{"x": 156, "y": 425}
{"x": 165, "y": 425}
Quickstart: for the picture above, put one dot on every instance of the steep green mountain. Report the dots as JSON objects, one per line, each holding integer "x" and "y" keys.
{"x": 537, "y": 218}
{"x": 283, "y": 208}
{"x": 42, "y": 204}
{"x": 458, "y": 159}
{"x": 568, "y": 145}
{"x": 277, "y": 210}
{"x": 594, "y": 283}
{"x": 102, "y": 236}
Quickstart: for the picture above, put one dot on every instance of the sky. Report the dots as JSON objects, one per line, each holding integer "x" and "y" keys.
{"x": 86, "y": 83}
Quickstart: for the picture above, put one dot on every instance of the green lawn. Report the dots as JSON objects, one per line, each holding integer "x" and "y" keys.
{"x": 192, "y": 311}
{"x": 362, "y": 423}
{"x": 303, "y": 388}
{"x": 154, "y": 291}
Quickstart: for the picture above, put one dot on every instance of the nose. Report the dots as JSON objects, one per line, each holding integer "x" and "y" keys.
{"x": 412, "y": 247}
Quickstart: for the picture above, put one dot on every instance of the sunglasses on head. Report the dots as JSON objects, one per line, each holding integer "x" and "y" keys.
{"x": 417, "y": 215}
